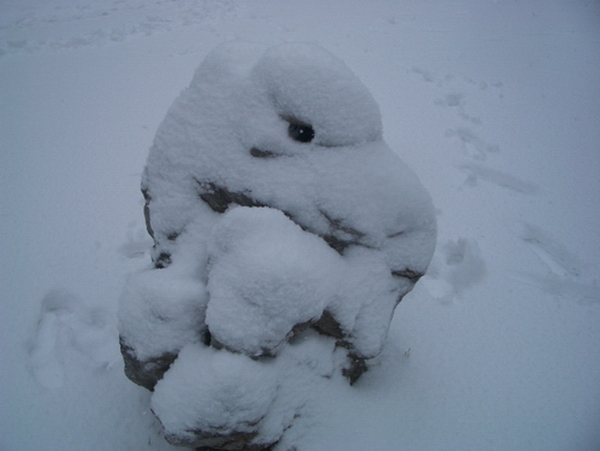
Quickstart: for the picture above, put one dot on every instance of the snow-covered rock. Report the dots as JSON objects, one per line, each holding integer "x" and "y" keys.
{"x": 277, "y": 210}
{"x": 267, "y": 279}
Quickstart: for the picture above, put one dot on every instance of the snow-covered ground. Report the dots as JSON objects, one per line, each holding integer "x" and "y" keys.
{"x": 495, "y": 105}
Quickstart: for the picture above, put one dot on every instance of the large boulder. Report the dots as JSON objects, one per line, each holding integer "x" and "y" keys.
{"x": 285, "y": 234}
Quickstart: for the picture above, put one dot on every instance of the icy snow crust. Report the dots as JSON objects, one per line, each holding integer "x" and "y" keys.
{"x": 258, "y": 235}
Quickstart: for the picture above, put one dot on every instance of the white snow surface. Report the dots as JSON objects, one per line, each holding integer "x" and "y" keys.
{"x": 493, "y": 104}
{"x": 223, "y": 392}
{"x": 211, "y": 390}
{"x": 266, "y": 276}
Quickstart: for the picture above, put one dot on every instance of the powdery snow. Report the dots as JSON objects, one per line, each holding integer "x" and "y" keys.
{"x": 213, "y": 391}
{"x": 493, "y": 104}
{"x": 266, "y": 276}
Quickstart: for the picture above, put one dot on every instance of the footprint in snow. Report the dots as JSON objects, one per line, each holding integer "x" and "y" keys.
{"x": 559, "y": 260}
{"x": 459, "y": 267}
{"x": 563, "y": 267}
{"x": 473, "y": 145}
{"x": 70, "y": 335}
{"x": 457, "y": 100}
{"x": 502, "y": 179}
{"x": 138, "y": 243}
{"x": 566, "y": 287}
{"x": 455, "y": 91}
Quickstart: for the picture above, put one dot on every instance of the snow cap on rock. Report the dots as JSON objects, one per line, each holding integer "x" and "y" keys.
{"x": 283, "y": 226}
{"x": 308, "y": 83}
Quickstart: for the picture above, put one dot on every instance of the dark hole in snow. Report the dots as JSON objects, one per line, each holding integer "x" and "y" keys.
{"x": 300, "y": 131}
{"x": 206, "y": 338}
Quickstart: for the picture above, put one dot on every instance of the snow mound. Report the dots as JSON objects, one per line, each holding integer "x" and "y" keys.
{"x": 267, "y": 276}
{"x": 68, "y": 327}
{"x": 216, "y": 392}
{"x": 278, "y": 213}
{"x": 312, "y": 85}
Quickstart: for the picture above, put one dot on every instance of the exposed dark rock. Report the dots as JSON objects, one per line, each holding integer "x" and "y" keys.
{"x": 259, "y": 153}
{"x": 145, "y": 372}
{"x": 357, "y": 367}
{"x": 147, "y": 199}
{"x": 219, "y": 198}
{"x": 162, "y": 260}
{"x": 327, "y": 325}
{"x": 235, "y": 441}
{"x": 341, "y": 235}
{"x": 299, "y": 328}
{"x": 409, "y": 274}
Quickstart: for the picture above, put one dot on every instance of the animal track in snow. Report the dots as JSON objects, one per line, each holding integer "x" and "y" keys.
{"x": 454, "y": 97}
{"x": 457, "y": 100}
{"x": 459, "y": 267}
{"x": 426, "y": 74}
{"x": 566, "y": 287}
{"x": 67, "y": 24}
{"x": 70, "y": 334}
{"x": 472, "y": 144}
{"x": 557, "y": 258}
{"x": 563, "y": 267}
{"x": 496, "y": 177}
